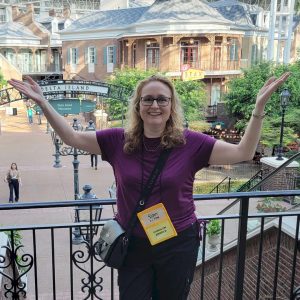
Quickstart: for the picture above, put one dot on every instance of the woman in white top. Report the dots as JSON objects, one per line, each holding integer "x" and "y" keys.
{"x": 13, "y": 179}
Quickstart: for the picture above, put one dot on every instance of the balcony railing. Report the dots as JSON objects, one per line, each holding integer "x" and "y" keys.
{"x": 54, "y": 268}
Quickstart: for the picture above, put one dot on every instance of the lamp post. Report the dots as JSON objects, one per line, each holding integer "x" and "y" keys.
{"x": 284, "y": 99}
{"x": 84, "y": 214}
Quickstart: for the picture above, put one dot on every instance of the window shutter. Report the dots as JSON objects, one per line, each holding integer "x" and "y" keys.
{"x": 105, "y": 55}
{"x": 86, "y": 56}
{"x": 68, "y": 55}
{"x": 115, "y": 55}
{"x": 95, "y": 51}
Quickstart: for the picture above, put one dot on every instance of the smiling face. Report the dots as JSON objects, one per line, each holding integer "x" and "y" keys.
{"x": 154, "y": 116}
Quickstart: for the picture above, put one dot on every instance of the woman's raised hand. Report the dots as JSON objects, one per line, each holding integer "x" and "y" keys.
{"x": 268, "y": 89}
{"x": 29, "y": 88}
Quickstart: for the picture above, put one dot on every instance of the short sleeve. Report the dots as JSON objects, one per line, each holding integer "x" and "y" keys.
{"x": 201, "y": 145}
{"x": 109, "y": 141}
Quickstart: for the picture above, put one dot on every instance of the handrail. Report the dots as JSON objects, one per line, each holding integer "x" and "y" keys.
{"x": 216, "y": 187}
{"x": 291, "y": 159}
{"x": 246, "y": 184}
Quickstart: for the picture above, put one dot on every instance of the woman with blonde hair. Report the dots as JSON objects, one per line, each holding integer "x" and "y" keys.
{"x": 156, "y": 267}
{"x": 13, "y": 179}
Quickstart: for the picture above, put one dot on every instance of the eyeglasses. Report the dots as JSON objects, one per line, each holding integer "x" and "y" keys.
{"x": 160, "y": 100}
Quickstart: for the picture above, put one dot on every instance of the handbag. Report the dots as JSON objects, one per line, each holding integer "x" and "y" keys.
{"x": 113, "y": 242}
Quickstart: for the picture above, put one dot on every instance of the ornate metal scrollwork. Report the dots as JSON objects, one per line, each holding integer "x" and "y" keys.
{"x": 20, "y": 265}
{"x": 296, "y": 294}
{"x": 92, "y": 283}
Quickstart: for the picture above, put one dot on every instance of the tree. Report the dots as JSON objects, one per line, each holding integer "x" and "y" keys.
{"x": 240, "y": 101}
{"x": 191, "y": 93}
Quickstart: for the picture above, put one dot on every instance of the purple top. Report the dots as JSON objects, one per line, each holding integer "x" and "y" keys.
{"x": 174, "y": 186}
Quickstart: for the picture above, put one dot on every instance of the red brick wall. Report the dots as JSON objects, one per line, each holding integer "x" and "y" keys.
{"x": 211, "y": 271}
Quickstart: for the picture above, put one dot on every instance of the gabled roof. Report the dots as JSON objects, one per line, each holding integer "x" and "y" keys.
{"x": 14, "y": 30}
{"x": 117, "y": 18}
{"x": 181, "y": 10}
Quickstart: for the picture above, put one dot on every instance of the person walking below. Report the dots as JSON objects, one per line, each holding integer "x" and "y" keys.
{"x": 30, "y": 115}
{"x": 161, "y": 259}
{"x": 94, "y": 160}
{"x": 13, "y": 179}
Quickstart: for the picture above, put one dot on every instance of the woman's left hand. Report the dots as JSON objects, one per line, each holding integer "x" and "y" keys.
{"x": 268, "y": 89}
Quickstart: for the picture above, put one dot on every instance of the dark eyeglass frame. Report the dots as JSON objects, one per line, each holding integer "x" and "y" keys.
{"x": 163, "y": 103}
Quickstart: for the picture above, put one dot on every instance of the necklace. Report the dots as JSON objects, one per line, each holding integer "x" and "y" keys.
{"x": 151, "y": 149}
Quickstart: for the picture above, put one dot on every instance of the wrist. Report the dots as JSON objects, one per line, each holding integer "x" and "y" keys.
{"x": 258, "y": 114}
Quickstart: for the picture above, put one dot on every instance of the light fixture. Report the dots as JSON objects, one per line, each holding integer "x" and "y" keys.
{"x": 191, "y": 41}
{"x": 148, "y": 43}
{"x": 127, "y": 44}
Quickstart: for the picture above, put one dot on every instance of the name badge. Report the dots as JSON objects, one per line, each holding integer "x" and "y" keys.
{"x": 157, "y": 224}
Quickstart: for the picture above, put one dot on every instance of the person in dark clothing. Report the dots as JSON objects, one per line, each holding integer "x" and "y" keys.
{"x": 13, "y": 179}
{"x": 94, "y": 160}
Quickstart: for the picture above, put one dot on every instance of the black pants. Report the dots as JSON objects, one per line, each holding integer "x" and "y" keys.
{"x": 94, "y": 156}
{"x": 161, "y": 272}
{"x": 13, "y": 187}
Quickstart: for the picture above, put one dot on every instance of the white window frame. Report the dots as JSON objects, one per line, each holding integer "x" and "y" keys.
{"x": 91, "y": 55}
{"x": 153, "y": 47}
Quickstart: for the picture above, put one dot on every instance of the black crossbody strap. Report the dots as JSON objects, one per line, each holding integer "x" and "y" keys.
{"x": 148, "y": 189}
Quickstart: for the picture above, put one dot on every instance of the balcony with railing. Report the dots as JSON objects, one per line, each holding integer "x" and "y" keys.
{"x": 47, "y": 264}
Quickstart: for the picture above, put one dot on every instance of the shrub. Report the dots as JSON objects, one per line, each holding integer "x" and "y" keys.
{"x": 213, "y": 227}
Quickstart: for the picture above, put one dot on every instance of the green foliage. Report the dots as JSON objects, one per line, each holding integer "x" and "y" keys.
{"x": 205, "y": 187}
{"x": 191, "y": 93}
{"x": 240, "y": 100}
{"x": 193, "y": 98}
{"x": 2, "y": 81}
{"x": 270, "y": 205}
{"x": 213, "y": 227}
{"x": 17, "y": 237}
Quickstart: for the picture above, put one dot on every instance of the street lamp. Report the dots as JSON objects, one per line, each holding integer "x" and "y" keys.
{"x": 85, "y": 213}
{"x": 64, "y": 150}
{"x": 284, "y": 99}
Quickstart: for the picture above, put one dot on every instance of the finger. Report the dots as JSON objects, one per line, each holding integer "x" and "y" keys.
{"x": 270, "y": 80}
{"x": 30, "y": 79}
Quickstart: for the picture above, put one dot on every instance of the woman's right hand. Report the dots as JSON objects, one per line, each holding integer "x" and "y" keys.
{"x": 29, "y": 88}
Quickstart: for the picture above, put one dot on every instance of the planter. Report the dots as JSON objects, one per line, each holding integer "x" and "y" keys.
{"x": 213, "y": 241}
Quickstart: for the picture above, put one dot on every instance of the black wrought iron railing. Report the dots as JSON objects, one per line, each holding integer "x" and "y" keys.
{"x": 50, "y": 266}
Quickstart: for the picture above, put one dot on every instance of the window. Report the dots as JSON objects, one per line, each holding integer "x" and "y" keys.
{"x": 189, "y": 54}
{"x": 110, "y": 54}
{"x": 233, "y": 50}
{"x": 91, "y": 55}
{"x": 152, "y": 56}
{"x": 72, "y": 56}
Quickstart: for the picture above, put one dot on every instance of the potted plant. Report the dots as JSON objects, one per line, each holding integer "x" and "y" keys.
{"x": 213, "y": 231}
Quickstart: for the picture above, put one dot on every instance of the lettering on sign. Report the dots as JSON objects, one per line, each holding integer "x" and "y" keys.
{"x": 80, "y": 88}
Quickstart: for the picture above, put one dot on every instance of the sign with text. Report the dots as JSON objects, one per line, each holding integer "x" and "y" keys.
{"x": 66, "y": 106}
{"x": 192, "y": 74}
{"x": 70, "y": 106}
{"x": 81, "y": 88}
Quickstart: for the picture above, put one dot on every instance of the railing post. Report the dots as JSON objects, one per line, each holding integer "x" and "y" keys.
{"x": 241, "y": 249}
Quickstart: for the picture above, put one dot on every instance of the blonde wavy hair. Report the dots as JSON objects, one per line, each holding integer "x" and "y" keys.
{"x": 134, "y": 130}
